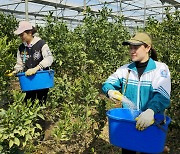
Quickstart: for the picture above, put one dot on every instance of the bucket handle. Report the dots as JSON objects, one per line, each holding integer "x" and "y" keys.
{"x": 50, "y": 71}
{"x": 159, "y": 125}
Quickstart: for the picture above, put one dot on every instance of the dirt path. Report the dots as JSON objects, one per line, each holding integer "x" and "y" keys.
{"x": 100, "y": 145}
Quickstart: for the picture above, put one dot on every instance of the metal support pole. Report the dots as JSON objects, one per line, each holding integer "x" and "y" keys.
{"x": 120, "y": 8}
{"x": 84, "y": 5}
{"x": 144, "y": 13}
{"x": 162, "y": 9}
{"x": 26, "y": 10}
{"x": 162, "y": 13}
{"x": 56, "y": 11}
{"x": 35, "y": 20}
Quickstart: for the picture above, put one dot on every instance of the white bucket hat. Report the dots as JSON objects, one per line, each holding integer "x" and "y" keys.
{"x": 23, "y": 26}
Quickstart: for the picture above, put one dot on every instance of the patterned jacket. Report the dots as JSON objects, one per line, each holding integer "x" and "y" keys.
{"x": 33, "y": 54}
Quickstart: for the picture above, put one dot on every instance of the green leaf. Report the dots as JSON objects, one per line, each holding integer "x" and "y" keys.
{"x": 11, "y": 135}
{"x": 1, "y": 147}
{"x": 41, "y": 116}
{"x": 28, "y": 136}
{"x": 60, "y": 63}
{"x": 1, "y": 129}
{"x": 11, "y": 142}
{"x": 2, "y": 112}
{"x": 38, "y": 126}
{"x": 27, "y": 122}
{"x": 20, "y": 128}
{"x": 23, "y": 132}
{"x": 5, "y": 137}
{"x": 24, "y": 144}
{"x": 37, "y": 134}
{"x": 32, "y": 131}
{"x": 16, "y": 141}
{"x": 17, "y": 132}
{"x": 31, "y": 113}
{"x": 88, "y": 113}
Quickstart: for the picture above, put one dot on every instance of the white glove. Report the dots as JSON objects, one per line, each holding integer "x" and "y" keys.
{"x": 32, "y": 71}
{"x": 115, "y": 95}
{"x": 145, "y": 119}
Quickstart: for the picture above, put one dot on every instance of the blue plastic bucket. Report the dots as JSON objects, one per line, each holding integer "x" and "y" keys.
{"x": 41, "y": 80}
{"x": 123, "y": 132}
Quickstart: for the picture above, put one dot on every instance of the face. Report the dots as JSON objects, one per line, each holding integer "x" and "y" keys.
{"x": 26, "y": 37}
{"x": 139, "y": 53}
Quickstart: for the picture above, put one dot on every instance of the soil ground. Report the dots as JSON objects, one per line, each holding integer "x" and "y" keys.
{"x": 100, "y": 145}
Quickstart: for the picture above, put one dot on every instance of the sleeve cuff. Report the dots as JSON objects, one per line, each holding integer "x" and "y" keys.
{"x": 41, "y": 67}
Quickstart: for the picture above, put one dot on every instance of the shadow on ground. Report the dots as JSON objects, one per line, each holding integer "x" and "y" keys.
{"x": 100, "y": 146}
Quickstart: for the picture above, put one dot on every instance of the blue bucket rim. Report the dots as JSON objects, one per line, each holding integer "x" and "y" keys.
{"x": 132, "y": 121}
{"x": 38, "y": 72}
{"x": 122, "y": 119}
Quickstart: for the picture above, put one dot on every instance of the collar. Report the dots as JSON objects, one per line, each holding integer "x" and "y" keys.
{"x": 150, "y": 66}
{"x": 34, "y": 41}
{"x": 141, "y": 65}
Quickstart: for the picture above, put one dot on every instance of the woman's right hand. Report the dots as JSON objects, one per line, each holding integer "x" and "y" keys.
{"x": 115, "y": 95}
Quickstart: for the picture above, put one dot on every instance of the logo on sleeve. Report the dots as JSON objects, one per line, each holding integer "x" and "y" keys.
{"x": 49, "y": 53}
{"x": 164, "y": 73}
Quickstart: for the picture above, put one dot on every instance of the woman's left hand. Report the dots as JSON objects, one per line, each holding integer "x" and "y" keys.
{"x": 32, "y": 71}
{"x": 145, "y": 119}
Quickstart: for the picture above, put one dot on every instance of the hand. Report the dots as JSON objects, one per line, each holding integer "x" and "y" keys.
{"x": 32, "y": 71}
{"x": 145, "y": 119}
{"x": 9, "y": 73}
{"x": 115, "y": 95}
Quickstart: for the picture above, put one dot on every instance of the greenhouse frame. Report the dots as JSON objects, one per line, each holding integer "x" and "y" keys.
{"x": 135, "y": 12}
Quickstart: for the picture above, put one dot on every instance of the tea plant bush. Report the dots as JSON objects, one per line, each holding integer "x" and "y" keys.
{"x": 18, "y": 122}
{"x": 7, "y": 26}
{"x": 6, "y": 63}
{"x": 166, "y": 36}
{"x": 8, "y": 49}
{"x": 103, "y": 41}
{"x": 97, "y": 44}
{"x": 83, "y": 59}
{"x": 18, "y": 126}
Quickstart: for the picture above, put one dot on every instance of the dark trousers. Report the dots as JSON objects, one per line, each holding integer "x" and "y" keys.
{"x": 125, "y": 151}
{"x": 41, "y": 95}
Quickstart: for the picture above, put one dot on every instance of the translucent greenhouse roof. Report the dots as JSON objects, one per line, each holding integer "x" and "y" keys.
{"x": 134, "y": 11}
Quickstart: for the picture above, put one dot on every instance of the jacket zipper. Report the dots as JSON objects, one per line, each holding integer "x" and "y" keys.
{"x": 138, "y": 92}
{"x": 138, "y": 95}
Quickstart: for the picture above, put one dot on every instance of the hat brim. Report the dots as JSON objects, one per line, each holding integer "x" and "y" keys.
{"x": 132, "y": 42}
{"x": 20, "y": 31}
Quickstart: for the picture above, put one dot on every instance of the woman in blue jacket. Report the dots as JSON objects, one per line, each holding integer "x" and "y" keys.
{"x": 145, "y": 81}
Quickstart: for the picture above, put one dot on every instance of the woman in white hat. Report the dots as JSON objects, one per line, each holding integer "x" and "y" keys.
{"x": 33, "y": 55}
{"x": 145, "y": 82}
